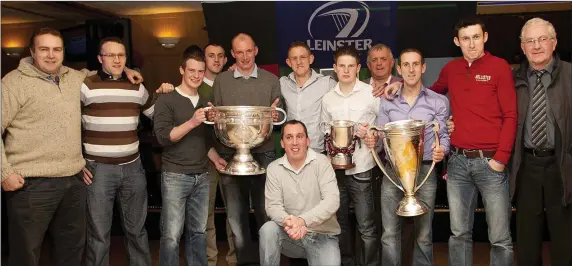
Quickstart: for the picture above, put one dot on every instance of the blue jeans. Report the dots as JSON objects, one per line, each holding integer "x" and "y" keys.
{"x": 185, "y": 205}
{"x": 128, "y": 184}
{"x": 391, "y": 223}
{"x": 238, "y": 191}
{"x": 466, "y": 177}
{"x": 361, "y": 194}
{"x": 319, "y": 249}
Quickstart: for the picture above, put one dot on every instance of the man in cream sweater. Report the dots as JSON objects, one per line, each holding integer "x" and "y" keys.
{"x": 42, "y": 156}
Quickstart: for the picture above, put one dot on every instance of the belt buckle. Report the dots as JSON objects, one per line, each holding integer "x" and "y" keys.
{"x": 539, "y": 150}
{"x": 468, "y": 150}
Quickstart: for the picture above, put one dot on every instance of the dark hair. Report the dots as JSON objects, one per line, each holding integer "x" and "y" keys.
{"x": 468, "y": 21}
{"x": 346, "y": 50}
{"x": 299, "y": 44}
{"x": 411, "y": 50}
{"x": 212, "y": 44}
{"x": 44, "y": 31}
{"x": 195, "y": 55}
{"x": 109, "y": 39}
{"x": 293, "y": 122}
{"x": 190, "y": 50}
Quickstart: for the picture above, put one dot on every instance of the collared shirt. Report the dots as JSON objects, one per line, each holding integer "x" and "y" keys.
{"x": 483, "y": 103}
{"x": 546, "y": 80}
{"x": 305, "y": 103}
{"x": 105, "y": 76}
{"x": 429, "y": 106}
{"x": 208, "y": 81}
{"x": 254, "y": 73}
{"x": 359, "y": 106}
{"x": 310, "y": 192}
{"x": 388, "y": 81}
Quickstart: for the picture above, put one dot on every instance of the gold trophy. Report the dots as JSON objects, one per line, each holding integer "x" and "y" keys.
{"x": 403, "y": 144}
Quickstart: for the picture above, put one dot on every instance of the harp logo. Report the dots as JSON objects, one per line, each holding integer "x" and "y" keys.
{"x": 348, "y": 19}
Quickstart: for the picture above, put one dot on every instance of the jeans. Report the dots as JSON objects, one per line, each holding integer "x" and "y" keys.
{"x": 237, "y": 192}
{"x": 361, "y": 194}
{"x": 185, "y": 205}
{"x": 319, "y": 249}
{"x": 539, "y": 202}
{"x": 54, "y": 205}
{"x": 128, "y": 185}
{"x": 392, "y": 223}
{"x": 212, "y": 250}
{"x": 466, "y": 177}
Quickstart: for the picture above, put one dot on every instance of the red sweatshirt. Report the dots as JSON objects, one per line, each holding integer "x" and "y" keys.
{"x": 483, "y": 103}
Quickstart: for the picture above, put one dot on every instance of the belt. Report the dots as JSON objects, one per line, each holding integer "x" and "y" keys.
{"x": 540, "y": 152}
{"x": 471, "y": 153}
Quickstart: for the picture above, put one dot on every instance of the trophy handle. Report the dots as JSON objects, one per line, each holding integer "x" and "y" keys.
{"x": 436, "y": 131}
{"x": 378, "y": 161}
{"x": 283, "y": 120}
{"x": 207, "y": 121}
{"x": 324, "y": 126}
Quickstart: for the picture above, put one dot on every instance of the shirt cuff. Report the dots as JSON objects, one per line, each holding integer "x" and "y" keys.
{"x": 502, "y": 157}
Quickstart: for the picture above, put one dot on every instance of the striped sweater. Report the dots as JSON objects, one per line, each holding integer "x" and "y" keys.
{"x": 110, "y": 116}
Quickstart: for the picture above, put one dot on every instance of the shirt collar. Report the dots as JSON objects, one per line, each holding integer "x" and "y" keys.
{"x": 208, "y": 81}
{"x": 310, "y": 156}
{"x": 254, "y": 73}
{"x": 402, "y": 100}
{"x": 313, "y": 76}
{"x": 357, "y": 87}
{"x": 549, "y": 68}
{"x": 105, "y": 77}
{"x": 388, "y": 81}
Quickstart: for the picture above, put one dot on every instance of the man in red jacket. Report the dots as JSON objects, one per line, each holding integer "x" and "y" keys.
{"x": 483, "y": 102}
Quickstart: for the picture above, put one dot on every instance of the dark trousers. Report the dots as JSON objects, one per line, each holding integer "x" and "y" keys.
{"x": 54, "y": 205}
{"x": 539, "y": 199}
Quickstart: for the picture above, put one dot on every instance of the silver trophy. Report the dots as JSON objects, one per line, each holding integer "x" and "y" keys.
{"x": 340, "y": 142}
{"x": 403, "y": 145}
{"x": 243, "y": 128}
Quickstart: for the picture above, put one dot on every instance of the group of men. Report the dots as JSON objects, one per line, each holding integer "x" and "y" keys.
{"x": 71, "y": 151}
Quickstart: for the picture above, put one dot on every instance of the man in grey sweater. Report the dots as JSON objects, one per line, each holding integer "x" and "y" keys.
{"x": 302, "y": 198}
{"x": 246, "y": 85}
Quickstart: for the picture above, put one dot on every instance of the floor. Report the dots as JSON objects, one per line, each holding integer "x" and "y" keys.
{"x": 117, "y": 254}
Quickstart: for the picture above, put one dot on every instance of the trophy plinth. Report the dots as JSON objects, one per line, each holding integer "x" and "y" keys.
{"x": 243, "y": 128}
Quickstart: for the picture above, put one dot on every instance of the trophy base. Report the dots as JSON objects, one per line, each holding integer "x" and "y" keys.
{"x": 410, "y": 206}
{"x": 243, "y": 168}
{"x": 342, "y": 161}
{"x": 343, "y": 167}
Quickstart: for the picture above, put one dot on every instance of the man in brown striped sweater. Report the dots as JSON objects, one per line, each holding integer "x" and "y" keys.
{"x": 111, "y": 106}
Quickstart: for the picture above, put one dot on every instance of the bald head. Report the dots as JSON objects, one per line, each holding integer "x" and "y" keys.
{"x": 242, "y": 37}
{"x": 244, "y": 51}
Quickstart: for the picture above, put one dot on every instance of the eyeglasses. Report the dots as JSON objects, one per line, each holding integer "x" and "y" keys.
{"x": 541, "y": 40}
{"x": 113, "y": 56}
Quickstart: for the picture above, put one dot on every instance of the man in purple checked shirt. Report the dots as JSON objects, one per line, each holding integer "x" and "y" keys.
{"x": 415, "y": 102}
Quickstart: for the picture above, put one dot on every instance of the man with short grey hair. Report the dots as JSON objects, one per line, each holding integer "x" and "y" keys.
{"x": 541, "y": 172}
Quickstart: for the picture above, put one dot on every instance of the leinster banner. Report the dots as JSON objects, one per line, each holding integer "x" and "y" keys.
{"x": 324, "y": 26}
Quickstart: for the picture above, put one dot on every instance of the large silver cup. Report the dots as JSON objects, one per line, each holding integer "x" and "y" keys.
{"x": 403, "y": 145}
{"x": 243, "y": 128}
{"x": 340, "y": 142}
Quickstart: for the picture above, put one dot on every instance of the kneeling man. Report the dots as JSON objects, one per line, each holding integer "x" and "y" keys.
{"x": 302, "y": 198}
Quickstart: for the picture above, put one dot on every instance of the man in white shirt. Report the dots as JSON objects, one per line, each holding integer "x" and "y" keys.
{"x": 303, "y": 90}
{"x": 352, "y": 100}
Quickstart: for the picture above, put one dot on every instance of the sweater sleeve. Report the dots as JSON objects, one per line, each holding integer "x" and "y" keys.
{"x": 10, "y": 108}
{"x": 506, "y": 94}
{"x": 330, "y": 194}
{"x": 163, "y": 121}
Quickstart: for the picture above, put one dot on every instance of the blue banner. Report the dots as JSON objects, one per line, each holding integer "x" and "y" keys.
{"x": 324, "y": 26}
